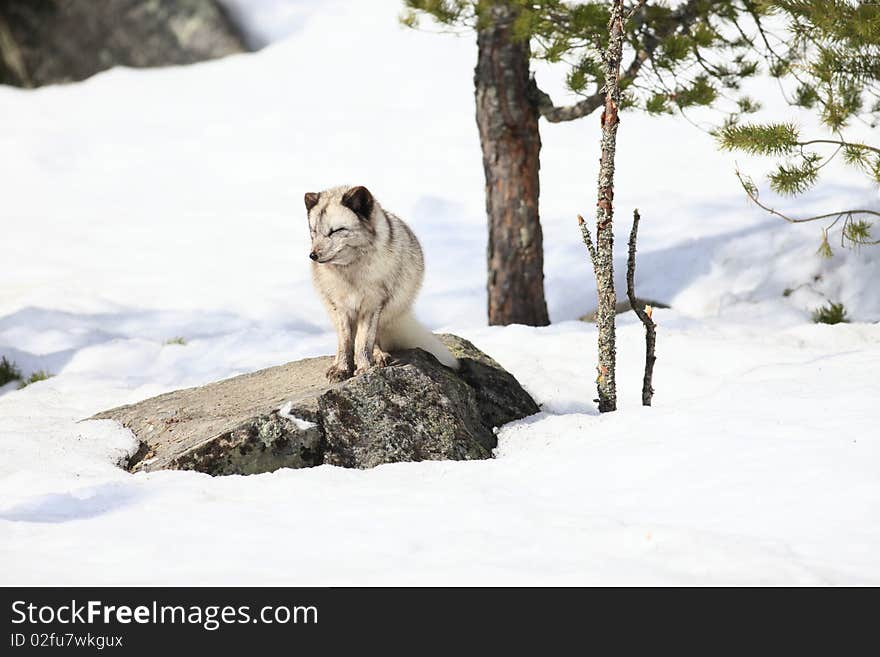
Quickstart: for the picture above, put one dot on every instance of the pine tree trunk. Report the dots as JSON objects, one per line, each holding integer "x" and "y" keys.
{"x": 507, "y": 117}
{"x": 604, "y": 260}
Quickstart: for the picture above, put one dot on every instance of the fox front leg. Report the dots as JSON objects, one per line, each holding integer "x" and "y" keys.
{"x": 381, "y": 358}
{"x": 343, "y": 365}
{"x": 365, "y": 342}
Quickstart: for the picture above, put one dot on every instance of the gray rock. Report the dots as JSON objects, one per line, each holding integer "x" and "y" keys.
{"x": 290, "y": 416}
{"x": 231, "y": 426}
{"x": 54, "y": 41}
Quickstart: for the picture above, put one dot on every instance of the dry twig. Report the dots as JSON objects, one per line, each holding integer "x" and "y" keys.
{"x": 643, "y": 313}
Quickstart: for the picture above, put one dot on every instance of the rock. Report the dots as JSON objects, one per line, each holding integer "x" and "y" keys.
{"x": 290, "y": 416}
{"x": 624, "y": 306}
{"x": 233, "y": 426}
{"x": 54, "y": 41}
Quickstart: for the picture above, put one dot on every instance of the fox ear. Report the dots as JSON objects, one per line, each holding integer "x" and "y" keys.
{"x": 311, "y": 199}
{"x": 360, "y": 201}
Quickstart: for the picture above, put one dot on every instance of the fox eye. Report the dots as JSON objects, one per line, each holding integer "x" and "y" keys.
{"x": 335, "y": 230}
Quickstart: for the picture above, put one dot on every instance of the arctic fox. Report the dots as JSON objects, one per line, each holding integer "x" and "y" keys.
{"x": 367, "y": 266}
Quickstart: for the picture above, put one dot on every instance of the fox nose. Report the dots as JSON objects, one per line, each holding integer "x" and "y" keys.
{"x": 313, "y": 255}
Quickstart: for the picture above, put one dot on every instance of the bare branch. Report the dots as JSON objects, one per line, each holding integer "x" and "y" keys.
{"x": 588, "y": 240}
{"x": 632, "y": 12}
{"x": 555, "y": 114}
{"x": 840, "y": 143}
{"x": 644, "y": 314}
{"x": 752, "y": 193}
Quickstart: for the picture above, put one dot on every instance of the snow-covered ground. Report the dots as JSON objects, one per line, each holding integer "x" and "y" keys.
{"x": 140, "y": 206}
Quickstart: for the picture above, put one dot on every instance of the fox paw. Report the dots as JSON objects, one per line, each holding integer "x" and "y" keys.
{"x": 336, "y": 373}
{"x": 381, "y": 358}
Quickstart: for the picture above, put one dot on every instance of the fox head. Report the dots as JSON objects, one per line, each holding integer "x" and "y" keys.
{"x": 341, "y": 224}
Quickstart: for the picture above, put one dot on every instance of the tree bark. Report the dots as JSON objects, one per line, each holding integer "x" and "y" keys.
{"x": 507, "y": 116}
{"x": 603, "y": 262}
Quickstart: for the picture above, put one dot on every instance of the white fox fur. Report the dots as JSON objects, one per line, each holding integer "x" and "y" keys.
{"x": 367, "y": 267}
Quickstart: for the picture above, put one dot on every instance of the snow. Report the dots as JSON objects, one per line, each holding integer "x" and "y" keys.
{"x": 143, "y": 205}
{"x": 267, "y": 21}
{"x": 298, "y": 422}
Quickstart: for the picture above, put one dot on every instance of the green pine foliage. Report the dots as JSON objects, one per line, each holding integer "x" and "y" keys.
{"x": 858, "y": 231}
{"x": 795, "y": 177}
{"x": 824, "y": 249}
{"x": 692, "y": 53}
{"x": 761, "y": 139}
{"x": 828, "y": 58}
{"x": 696, "y": 53}
{"x": 39, "y": 375}
{"x": 830, "y": 313}
{"x": 8, "y": 371}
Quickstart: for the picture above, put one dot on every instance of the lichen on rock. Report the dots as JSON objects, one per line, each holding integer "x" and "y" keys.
{"x": 290, "y": 416}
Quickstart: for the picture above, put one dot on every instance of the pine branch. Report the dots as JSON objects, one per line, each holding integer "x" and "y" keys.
{"x": 685, "y": 16}
{"x": 840, "y": 143}
{"x": 557, "y": 114}
{"x": 752, "y": 192}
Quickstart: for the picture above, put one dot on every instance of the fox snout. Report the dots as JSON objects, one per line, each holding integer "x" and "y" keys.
{"x": 321, "y": 255}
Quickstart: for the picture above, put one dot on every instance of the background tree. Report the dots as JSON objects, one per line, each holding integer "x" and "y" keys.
{"x": 674, "y": 57}
{"x": 827, "y": 56}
